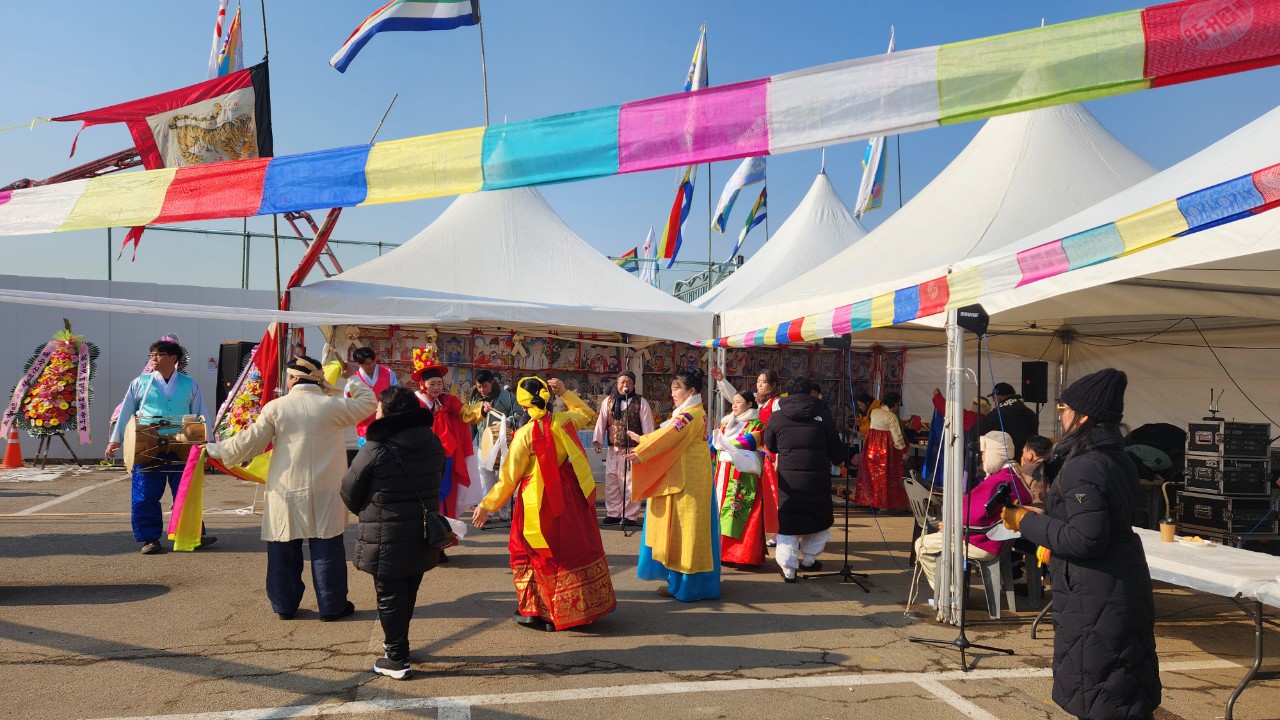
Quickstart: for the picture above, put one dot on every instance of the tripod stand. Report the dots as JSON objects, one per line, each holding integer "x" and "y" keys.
{"x": 846, "y": 573}
{"x": 961, "y": 641}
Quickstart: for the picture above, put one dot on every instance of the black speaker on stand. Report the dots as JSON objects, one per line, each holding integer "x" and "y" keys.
{"x": 232, "y": 356}
{"x": 1035, "y": 382}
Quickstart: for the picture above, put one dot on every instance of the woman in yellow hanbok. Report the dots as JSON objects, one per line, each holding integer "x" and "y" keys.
{"x": 672, "y": 470}
{"x": 557, "y": 559}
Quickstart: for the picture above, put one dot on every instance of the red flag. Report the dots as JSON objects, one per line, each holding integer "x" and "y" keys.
{"x": 227, "y": 118}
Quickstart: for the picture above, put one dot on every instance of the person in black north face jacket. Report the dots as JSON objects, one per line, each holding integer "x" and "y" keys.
{"x": 1104, "y": 648}
{"x": 395, "y": 475}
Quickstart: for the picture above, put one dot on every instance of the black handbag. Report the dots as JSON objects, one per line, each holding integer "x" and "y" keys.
{"x": 435, "y": 527}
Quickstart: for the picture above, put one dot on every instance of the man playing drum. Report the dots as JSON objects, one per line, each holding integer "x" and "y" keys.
{"x": 157, "y": 402}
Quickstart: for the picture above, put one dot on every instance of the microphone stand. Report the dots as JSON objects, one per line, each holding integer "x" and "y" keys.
{"x": 846, "y": 573}
{"x": 961, "y": 641}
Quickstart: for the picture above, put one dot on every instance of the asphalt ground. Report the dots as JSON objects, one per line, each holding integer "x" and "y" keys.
{"x": 90, "y": 628}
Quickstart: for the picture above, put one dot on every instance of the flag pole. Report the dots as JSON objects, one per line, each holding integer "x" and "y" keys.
{"x": 706, "y": 55}
{"x": 484, "y": 71}
{"x": 265, "y": 50}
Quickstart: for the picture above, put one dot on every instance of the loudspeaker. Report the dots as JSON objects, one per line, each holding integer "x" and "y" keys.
{"x": 973, "y": 318}
{"x": 231, "y": 359}
{"x": 839, "y": 342}
{"x": 1035, "y": 381}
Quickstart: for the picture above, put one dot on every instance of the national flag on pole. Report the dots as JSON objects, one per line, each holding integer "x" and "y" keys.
{"x": 750, "y": 172}
{"x": 649, "y": 270}
{"x": 671, "y": 235}
{"x": 871, "y": 190}
{"x": 406, "y": 15}
{"x": 754, "y": 218}
{"x": 629, "y": 260}
{"x": 231, "y": 58}
{"x": 217, "y": 40}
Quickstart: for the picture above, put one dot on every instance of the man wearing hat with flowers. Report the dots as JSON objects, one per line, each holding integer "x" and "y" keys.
{"x": 308, "y": 460}
{"x": 1010, "y": 415}
{"x": 452, "y": 425}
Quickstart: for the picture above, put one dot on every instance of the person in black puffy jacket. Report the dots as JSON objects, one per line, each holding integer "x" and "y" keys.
{"x": 802, "y": 433}
{"x": 1104, "y": 647}
{"x": 392, "y": 479}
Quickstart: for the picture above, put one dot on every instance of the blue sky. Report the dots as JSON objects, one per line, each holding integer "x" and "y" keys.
{"x": 543, "y": 58}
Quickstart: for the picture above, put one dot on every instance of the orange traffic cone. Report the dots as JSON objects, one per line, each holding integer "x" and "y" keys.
{"x": 12, "y": 453}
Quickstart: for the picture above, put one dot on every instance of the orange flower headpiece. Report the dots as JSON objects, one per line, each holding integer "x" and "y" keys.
{"x": 426, "y": 364}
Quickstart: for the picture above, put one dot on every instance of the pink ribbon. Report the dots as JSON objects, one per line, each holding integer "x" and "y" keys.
{"x": 82, "y": 394}
{"x": 24, "y": 386}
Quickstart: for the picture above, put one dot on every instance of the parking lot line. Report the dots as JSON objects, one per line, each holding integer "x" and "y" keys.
{"x": 63, "y": 498}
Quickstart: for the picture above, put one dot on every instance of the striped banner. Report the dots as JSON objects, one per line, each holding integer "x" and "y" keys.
{"x": 879, "y": 95}
{"x": 1226, "y": 202}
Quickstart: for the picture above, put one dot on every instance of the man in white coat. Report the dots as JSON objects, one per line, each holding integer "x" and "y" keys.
{"x": 308, "y": 460}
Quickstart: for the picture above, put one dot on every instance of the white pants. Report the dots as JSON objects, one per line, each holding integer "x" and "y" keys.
{"x": 796, "y": 550}
{"x": 617, "y": 481}
{"x": 929, "y": 548}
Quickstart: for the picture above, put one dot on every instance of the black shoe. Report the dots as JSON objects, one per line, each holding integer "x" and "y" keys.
{"x": 392, "y": 669}
{"x": 630, "y": 523}
{"x": 610, "y": 520}
{"x": 444, "y": 559}
{"x": 344, "y": 612}
{"x": 534, "y": 623}
{"x": 206, "y": 541}
{"x": 287, "y": 616}
{"x": 815, "y": 566}
{"x": 783, "y": 573}
{"x": 152, "y": 547}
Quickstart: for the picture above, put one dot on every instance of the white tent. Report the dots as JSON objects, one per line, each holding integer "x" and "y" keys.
{"x": 1019, "y": 174}
{"x": 505, "y": 259}
{"x": 1194, "y": 313}
{"x": 819, "y": 229}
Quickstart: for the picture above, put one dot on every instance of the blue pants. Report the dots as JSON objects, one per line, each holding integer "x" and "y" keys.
{"x": 328, "y": 571}
{"x": 148, "y": 489}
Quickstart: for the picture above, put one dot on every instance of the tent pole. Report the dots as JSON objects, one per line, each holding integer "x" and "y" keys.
{"x": 950, "y": 576}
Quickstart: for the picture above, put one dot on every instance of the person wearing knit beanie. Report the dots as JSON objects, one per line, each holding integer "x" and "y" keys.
{"x": 1098, "y": 395}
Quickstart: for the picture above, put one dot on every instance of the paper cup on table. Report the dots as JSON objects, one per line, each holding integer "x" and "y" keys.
{"x": 1168, "y": 531}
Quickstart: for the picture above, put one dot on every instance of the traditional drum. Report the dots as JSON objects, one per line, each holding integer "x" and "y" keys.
{"x": 161, "y": 440}
{"x": 494, "y": 441}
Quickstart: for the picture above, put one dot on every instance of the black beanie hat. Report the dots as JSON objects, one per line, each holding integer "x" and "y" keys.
{"x": 1099, "y": 395}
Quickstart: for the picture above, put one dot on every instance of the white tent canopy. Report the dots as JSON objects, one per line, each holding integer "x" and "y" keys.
{"x": 505, "y": 259}
{"x": 819, "y": 229}
{"x": 1020, "y": 173}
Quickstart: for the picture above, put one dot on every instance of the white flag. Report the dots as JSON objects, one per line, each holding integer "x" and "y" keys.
{"x": 871, "y": 190}
{"x": 750, "y": 172}
{"x": 217, "y": 40}
{"x": 649, "y": 266}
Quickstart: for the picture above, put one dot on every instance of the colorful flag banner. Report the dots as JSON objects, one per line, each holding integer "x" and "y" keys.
{"x": 750, "y": 172}
{"x": 217, "y": 40}
{"x": 649, "y": 269}
{"x": 629, "y": 260}
{"x": 231, "y": 58}
{"x": 697, "y": 77}
{"x": 1226, "y": 202}
{"x": 842, "y": 102}
{"x": 871, "y": 189}
{"x": 672, "y": 233}
{"x": 757, "y": 215}
{"x": 413, "y": 15}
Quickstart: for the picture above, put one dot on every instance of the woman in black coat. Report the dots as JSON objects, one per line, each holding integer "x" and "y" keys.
{"x": 803, "y": 435}
{"x": 1104, "y": 647}
{"x": 392, "y": 479}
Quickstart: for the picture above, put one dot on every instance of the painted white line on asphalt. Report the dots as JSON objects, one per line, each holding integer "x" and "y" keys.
{"x": 64, "y": 498}
{"x": 453, "y": 711}
{"x": 952, "y": 698}
{"x": 817, "y": 681}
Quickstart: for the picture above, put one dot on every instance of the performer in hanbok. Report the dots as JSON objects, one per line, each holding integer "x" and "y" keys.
{"x": 671, "y": 468}
{"x": 451, "y": 425}
{"x": 557, "y": 558}
{"x": 376, "y": 377}
{"x": 768, "y": 393}
{"x": 739, "y": 496}
{"x": 883, "y": 461}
